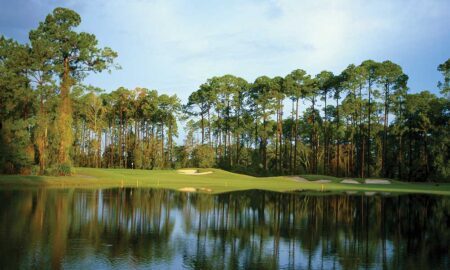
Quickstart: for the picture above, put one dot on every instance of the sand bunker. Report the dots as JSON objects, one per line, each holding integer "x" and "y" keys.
{"x": 299, "y": 179}
{"x": 192, "y": 189}
{"x": 188, "y": 189}
{"x": 377, "y": 181}
{"x": 322, "y": 181}
{"x": 193, "y": 172}
{"x": 349, "y": 181}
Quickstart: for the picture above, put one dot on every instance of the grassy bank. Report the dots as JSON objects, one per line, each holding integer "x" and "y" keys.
{"x": 217, "y": 182}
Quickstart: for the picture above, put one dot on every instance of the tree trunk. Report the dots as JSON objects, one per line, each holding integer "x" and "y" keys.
{"x": 169, "y": 142}
{"x": 280, "y": 135}
{"x": 295, "y": 136}
{"x": 120, "y": 138}
{"x": 368, "y": 131}
{"x": 64, "y": 118}
{"x": 111, "y": 158}
{"x": 361, "y": 135}
{"x": 264, "y": 140}
{"x": 314, "y": 135}
{"x": 386, "y": 111}
{"x": 290, "y": 141}
{"x": 42, "y": 138}
{"x": 162, "y": 147}
{"x": 238, "y": 142}
{"x": 276, "y": 142}
{"x": 410, "y": 152}
{"x": 427, "y": 158}
{"x": 99, "y": 144}
{"x": 337, "y": 138}
{"x": 400, "y": 157}
{"x": 125, "y": 138}
{"x": 325, "y": 134}
{"x": 203, "y": 128}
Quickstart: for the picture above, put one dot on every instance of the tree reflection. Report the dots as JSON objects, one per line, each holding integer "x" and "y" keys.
{"x": 48, "y": 228}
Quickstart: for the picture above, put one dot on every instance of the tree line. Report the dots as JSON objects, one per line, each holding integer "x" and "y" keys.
{"x": 361, "y": 122}
{"x": 367, "y": 124}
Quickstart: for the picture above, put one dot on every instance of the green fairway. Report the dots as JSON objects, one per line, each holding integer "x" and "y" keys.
{"x": 217, "y": 182}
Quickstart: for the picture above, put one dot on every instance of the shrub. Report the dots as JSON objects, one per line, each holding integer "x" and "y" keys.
{"x": 203, "y": 156}
{"x": 25, "y": 171}
{"x": 64, "y": 169}
{"x": 35, "y": 170}
{"x": 48, "y": 171}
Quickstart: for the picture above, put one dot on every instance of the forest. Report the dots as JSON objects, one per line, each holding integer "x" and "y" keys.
{"x": 361, "y": 122}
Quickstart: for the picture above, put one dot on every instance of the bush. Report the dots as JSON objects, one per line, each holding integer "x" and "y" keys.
{"x": 7, "y": 168}
{"x": 35, "y": 170}
{"x": 203, "y": 156}
{"x": 25, "y": 171}
{"x": 48, "y": 171}
{"x": 64, "y": 169}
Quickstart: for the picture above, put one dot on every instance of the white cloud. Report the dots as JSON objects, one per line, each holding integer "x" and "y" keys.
{"x": 176, "y": 45}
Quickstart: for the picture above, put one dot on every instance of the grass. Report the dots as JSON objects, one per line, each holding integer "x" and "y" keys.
{"x": 314, "y": 177}
{"x": 218, "y": 182}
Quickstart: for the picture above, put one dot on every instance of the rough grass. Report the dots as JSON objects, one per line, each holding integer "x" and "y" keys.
{"x": 217, "y": 182}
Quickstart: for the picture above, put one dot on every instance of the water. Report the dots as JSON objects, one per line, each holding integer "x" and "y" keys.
{"x": 161, "y": 229}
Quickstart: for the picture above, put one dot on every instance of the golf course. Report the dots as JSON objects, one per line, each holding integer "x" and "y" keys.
{"x": 273, "y": 134}
{"x": 216, "y": 181}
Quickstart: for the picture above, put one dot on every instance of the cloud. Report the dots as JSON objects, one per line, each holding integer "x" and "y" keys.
{"x": 176, "y": 45}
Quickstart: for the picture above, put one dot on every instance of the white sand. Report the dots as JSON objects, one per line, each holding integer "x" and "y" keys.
{"x": 349, "y": 181}
{"x": 322, "y": 181}
{"x": 377, "y": 181}
{"x": 299, "y": 179}
{"x": 187, "y": 171}
{"x": 188, "y": 189}
{"x": 200, "y": 173}
{"x": 193, "y": 172}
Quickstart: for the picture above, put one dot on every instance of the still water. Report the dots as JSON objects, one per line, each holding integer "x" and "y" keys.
{"x": 161, "y": 229}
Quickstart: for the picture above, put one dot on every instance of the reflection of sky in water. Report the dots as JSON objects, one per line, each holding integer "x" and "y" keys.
{"x": 143, "y": 229}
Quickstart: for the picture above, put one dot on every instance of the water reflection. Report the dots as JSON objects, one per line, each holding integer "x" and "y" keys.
{"x": 147, "y": 228}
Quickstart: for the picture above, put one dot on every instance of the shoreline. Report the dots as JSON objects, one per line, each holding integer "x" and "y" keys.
{"x": 216, "y": 182}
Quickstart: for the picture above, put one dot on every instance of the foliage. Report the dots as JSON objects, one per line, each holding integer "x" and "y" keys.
{"x": 361, "y": 122}
{"x": 64, "y": 169}
{"x": 203, "y": 156}
{"x": 444, "y": 68}
{"x": 71, "y": 55}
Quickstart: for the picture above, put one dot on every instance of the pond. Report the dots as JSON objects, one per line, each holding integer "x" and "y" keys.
{"x": 162, "y": 229}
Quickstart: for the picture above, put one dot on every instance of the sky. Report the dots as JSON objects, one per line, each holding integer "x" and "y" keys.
{"x": 174, "y": 46}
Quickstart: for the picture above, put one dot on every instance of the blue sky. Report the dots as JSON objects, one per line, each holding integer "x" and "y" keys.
{"x": 174, "y": 46}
